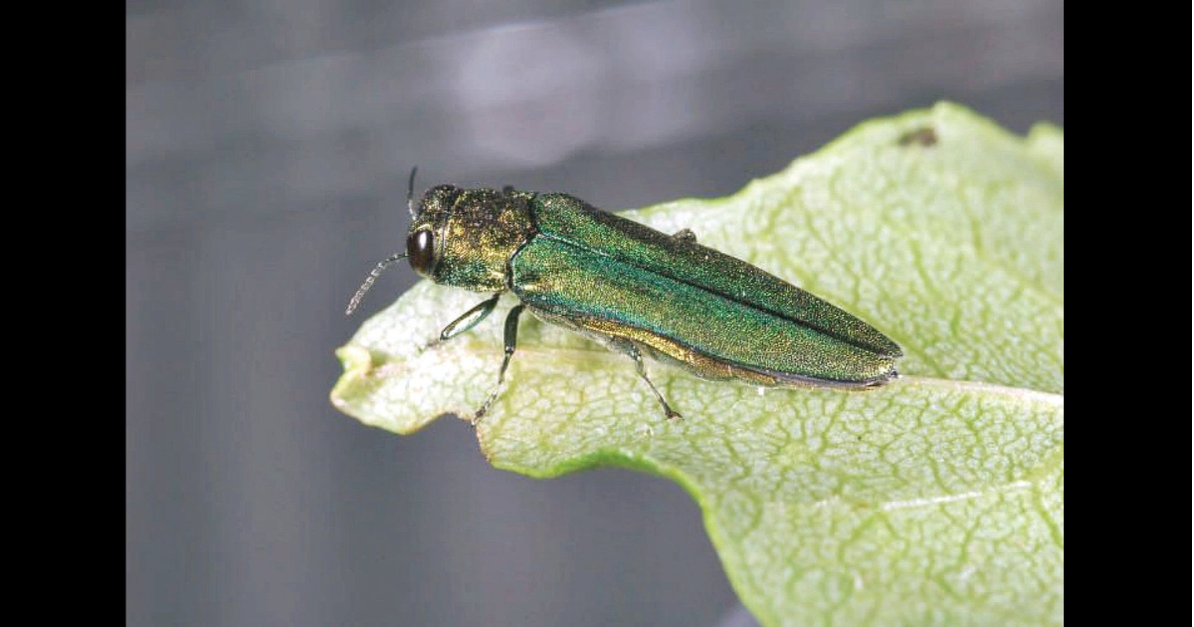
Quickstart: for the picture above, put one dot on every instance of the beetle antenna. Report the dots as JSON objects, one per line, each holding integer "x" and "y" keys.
{"x": 356, "y": 298}
{"x": 410, "y": 194}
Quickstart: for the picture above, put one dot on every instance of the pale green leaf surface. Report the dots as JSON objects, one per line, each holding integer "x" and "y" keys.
{"x": 935, "y": 499}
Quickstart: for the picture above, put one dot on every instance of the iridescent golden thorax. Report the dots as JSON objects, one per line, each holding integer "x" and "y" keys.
{"x": 476, "y": 232}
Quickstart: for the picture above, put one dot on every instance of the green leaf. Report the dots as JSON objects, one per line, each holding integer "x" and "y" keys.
{"x": 935, "y": 499}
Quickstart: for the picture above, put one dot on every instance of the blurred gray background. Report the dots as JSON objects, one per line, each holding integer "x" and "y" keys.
{"x": 268, "y": 145}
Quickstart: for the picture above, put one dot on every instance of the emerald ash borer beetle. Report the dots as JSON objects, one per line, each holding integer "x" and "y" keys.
{"x": 638, "y": 290}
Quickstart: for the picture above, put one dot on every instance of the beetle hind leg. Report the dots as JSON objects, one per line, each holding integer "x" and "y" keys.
{"x": 631, "y": 349}
{"x": 685, "y": 235}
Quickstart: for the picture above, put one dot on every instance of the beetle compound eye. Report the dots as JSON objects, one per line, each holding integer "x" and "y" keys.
{"x": 421, "y": 248}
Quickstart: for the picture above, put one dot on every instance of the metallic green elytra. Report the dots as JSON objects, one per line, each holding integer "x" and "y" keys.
{"x": 636, "y": 289}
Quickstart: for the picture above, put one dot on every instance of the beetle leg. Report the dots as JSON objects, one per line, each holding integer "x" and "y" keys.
{"x": 511, "y": 339}
{"x": 630, "y": 348}
{"x": 469, "y": 319}
{"x": 465, "y": 322}
{"x": 685, "y": 235}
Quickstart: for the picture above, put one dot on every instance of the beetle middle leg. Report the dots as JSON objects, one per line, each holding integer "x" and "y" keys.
{"x": 511, "y": 339}
{"x": 630, "y": 348}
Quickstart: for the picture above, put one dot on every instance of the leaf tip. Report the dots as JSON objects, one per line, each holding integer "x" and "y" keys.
{"x": 357, "y": 362}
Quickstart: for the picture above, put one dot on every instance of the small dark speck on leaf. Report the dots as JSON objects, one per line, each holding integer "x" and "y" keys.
{"x": 925, "y": 136}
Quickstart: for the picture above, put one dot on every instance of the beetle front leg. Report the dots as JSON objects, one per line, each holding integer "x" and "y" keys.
{"x": 511, "y": 340}
{"x": 469, "y": 319}
{"x": 466, "y": 321}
